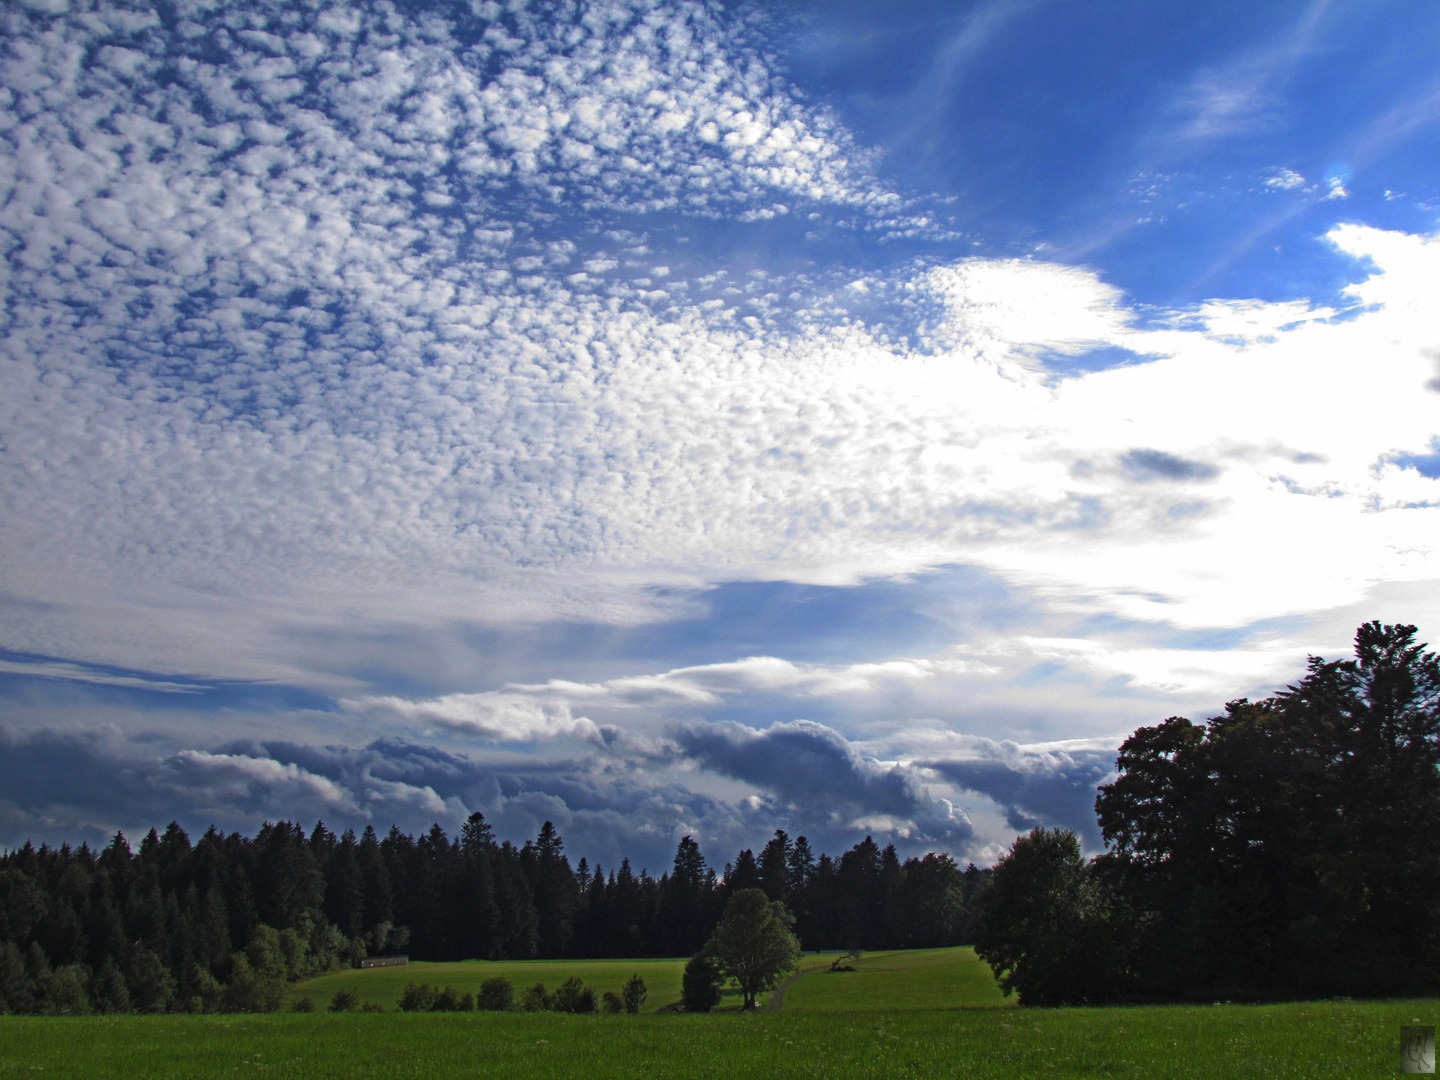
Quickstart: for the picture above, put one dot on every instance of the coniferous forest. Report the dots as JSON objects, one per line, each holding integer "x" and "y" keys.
{"x": 222, "y": 923}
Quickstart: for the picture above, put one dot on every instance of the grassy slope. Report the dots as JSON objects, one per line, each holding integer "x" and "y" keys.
{"x": 917, "y": 979}
{"x": 1271, "y": 1041}
{"x": 383, "y": 986}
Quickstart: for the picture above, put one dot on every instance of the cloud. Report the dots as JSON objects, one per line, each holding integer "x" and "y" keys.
{"x": 1053, "y": 786}
{"x": 1282, "y": 179}
{"x": 502, "y": 717}
{"x": 805, "y": 764}
{"x": 1158, "y": 465}
{"x": 59, "y": 669}
{"x": 294, "y": 351}
{"x": 83, "y": 786}
{"x": 1245, "y": 94}
{"x": 708, "y": 684}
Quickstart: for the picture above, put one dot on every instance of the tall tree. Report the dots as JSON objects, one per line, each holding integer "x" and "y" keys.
{"x": 1290, "y": 845}
{"x": 754, "y": 944}
{"x": 1045, "y": 925}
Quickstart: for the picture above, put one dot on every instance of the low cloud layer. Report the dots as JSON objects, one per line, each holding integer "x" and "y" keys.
{"x": 800, "y": 775}
{"x": 804, "y": 766}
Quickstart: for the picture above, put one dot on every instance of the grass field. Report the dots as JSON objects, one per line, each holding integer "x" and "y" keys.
{"x": 916, "y": 979}
{"x": 1246, "y": 1042}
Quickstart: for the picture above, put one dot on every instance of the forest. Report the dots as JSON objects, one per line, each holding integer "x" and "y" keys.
{"x": 1287, "y": 848}
{"x": 222, "y": 923}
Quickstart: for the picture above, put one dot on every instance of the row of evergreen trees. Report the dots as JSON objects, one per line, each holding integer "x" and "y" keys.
{"x": 221, "y": 924}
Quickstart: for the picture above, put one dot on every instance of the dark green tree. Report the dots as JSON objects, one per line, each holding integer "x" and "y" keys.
{"x": 754, "y": 944}
{"x": 700, "y": 984}
{"x": 1045, "y": 926}
{"x": 1290, "y": 845}
{"x": 496, "y": 994}
{"x": 633, "y": 994}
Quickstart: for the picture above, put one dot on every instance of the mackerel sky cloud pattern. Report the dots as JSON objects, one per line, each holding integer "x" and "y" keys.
{"x": 438, "y": 372}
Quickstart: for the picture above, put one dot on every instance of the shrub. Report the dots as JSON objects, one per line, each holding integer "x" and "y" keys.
{"x": 372, "y": 1006}
{"x": 250, "y": 991}
{"x": 634, "y": 993}
{"x": 574, "y": 996}
{"x": 418, "y": 997}
{"x": 496, "y": 994}
{"x": 700, "y": 985}
{"x": 152, "y": 987}
{"x": 64, "y": 992}
{"x": 344, "y": 1001}
{"x": 15, "y": 991}
{"x": 536, "y": 999}
{"x": 452, "y": 1000}
{"x": 612, "y": 1003}
{"x": 108, "y": 990}
{"x": 205, "y": 992}
{"x": 843, "y": 963}
{"x": 304, "y": 1004}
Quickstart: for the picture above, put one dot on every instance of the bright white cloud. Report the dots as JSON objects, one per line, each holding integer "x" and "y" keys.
{"x": 277, "y": 363}
{"x": 230, "y": 777}
{"x": 497, "y": 716}
{"x": 707, "y": 684}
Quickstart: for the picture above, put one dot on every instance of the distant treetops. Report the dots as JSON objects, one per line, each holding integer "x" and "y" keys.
{"x": 1287, "y": 848}
{"x": 222, "y": 924}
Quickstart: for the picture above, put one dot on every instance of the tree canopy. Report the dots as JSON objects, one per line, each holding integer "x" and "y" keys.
{"x": 1288, "y": 847}
{"x": 754, "y": 944}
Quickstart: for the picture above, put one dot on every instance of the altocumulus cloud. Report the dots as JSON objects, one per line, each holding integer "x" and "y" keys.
{"x": 289, "y": 345}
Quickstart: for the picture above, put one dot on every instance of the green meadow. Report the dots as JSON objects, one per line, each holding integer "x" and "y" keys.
{"x": 927, "y": 1013}
{"x": 914, "y": 979}
{"x": 1242, "y": 1042}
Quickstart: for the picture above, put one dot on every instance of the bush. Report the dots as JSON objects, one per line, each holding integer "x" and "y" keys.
{"x": 303, "y": 1005}
{"x": 372, "y": 1006}
{"x": 205, "y": 994}
{"x": 344, "y": 1001}
{"x": 15, "y": 995}
{"x": 249, "y": 991}
{"x": 574, "y": 997}
{"x": 612, "y": 1003}
{"x": 496, "y": 994}
{"x": 1046, "y": 926}
{"x": 418, "y": 997}
{"x": 452, "y": 1000}
{"x": 536, "y": 999}
{"x": 108, "y": 990}
{"x": 64, "y": 992}
{"x": 700, "y": 985}
{"x": 152, "y": 987}
{"x": 843, "y": 962}
{"x": 634, "y": 993}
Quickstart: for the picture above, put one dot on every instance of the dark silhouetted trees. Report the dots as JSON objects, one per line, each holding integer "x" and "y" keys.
{"x": 1289, "y": 847}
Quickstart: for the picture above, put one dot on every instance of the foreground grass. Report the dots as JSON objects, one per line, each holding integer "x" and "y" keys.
{"x": 913, "y": 979}
{"x": 383, "y": 986}
{"x": 1349, "y": 1039}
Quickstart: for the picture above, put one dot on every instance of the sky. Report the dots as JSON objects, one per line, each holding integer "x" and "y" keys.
{"x": 665, "y": 417}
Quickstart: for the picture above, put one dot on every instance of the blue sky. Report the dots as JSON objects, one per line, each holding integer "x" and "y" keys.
{"x": 665, "y": 417}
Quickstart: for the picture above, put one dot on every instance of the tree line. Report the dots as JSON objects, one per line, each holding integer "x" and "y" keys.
{"x": 1287, "y": 848}
{"x": 222, "y": 923}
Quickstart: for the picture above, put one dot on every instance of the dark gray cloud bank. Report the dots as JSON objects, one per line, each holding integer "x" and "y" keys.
{"x": 806, "y": 778}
